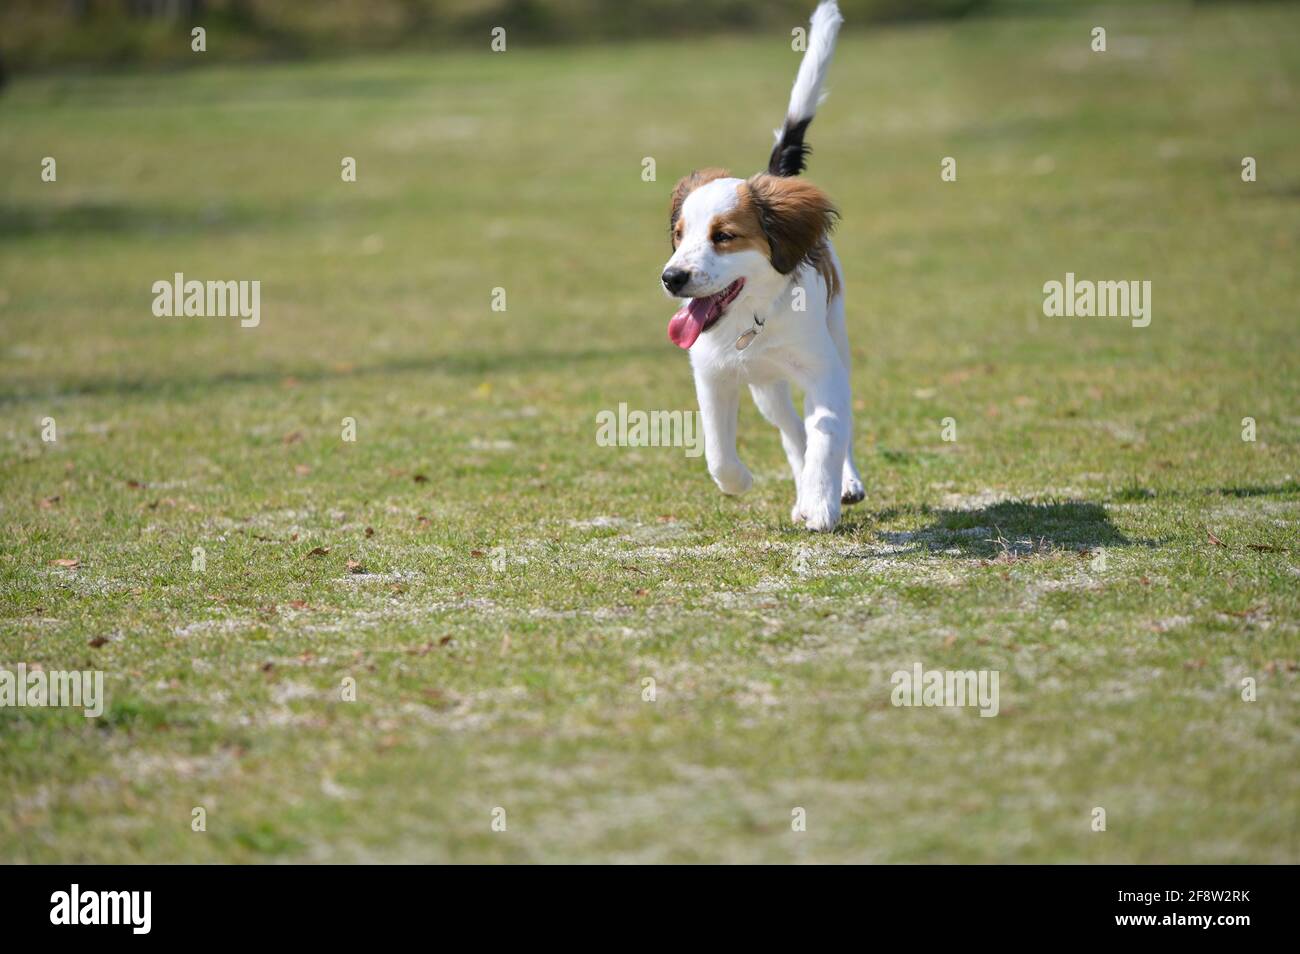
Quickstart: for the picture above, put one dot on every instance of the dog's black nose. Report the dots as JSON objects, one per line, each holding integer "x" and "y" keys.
{"x": 675, "y": 279}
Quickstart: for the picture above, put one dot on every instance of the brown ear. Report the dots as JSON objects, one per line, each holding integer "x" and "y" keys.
{"x": 685, "y": 187}
{"x": 795, "y": 216}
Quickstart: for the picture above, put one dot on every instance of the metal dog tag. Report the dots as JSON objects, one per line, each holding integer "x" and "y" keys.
{"x": 743, "y": 341}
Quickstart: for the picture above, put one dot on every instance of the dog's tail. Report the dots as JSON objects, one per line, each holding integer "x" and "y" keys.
{"x": 790, "y": 154}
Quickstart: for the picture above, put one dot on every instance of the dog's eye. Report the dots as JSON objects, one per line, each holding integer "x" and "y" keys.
{"x": 720, "y": 237}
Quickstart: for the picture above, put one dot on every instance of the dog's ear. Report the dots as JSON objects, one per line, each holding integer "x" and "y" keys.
{"x": 685, "y": 187}
{"x": 795, "y": 216}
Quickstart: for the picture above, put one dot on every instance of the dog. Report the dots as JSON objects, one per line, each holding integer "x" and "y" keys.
{"x": 765, "y": 306}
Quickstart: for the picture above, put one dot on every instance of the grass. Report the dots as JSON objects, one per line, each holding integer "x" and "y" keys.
{"x": 520, "y": 582}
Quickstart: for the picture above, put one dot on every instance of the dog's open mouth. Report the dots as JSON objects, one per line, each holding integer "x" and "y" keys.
{"x": 699, "y": 314}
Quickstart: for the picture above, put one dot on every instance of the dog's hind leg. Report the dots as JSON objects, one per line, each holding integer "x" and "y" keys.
{"x": 719, "y": 397}
{"x": 851, "y": 489}
{"x": 827, "y": 403}
{"x": 774, "y": 403}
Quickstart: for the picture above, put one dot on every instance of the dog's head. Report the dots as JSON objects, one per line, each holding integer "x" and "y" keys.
{"x": 729, "y": 233}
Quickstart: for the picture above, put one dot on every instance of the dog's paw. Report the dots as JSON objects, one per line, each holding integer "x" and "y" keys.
{"x": 852, "y": 491}
{"x": 732, "y": 477}
{"x": 819, "y": 515}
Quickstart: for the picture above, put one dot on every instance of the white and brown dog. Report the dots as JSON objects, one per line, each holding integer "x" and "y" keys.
{"x": 766, "y": 306}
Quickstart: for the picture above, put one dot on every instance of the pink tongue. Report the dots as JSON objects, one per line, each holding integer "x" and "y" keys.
{"x": 685, "y": 326}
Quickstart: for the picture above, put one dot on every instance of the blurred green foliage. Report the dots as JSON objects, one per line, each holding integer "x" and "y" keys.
{"x": 41, "y": 33}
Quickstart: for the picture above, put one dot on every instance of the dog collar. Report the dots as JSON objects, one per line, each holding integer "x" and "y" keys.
{"x": 746, "y": 339}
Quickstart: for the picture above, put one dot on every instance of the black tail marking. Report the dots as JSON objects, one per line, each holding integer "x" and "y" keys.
{"x": 790, "y": 154}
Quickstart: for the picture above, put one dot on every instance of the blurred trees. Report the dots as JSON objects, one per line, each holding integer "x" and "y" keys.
{"x": 37, "y": 33}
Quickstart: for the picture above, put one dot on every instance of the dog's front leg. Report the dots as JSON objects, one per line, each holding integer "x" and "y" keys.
{"x": 719, "y": 396}
{"x": 773, "y": 400}
{"x": 827, "y": 426}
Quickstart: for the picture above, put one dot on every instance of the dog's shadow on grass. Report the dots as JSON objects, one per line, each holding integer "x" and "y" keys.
{"x": 1009, "y": 529}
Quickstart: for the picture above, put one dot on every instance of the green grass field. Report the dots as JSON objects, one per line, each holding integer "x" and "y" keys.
{"x": 517, "y": 582}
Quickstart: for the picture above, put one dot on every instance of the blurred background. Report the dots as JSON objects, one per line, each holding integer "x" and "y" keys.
{"x": 45, "y": 33}
{"x": 57, "y": 32}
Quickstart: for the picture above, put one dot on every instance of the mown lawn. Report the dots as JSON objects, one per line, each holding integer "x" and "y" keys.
{"x": 518, "y": 582}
